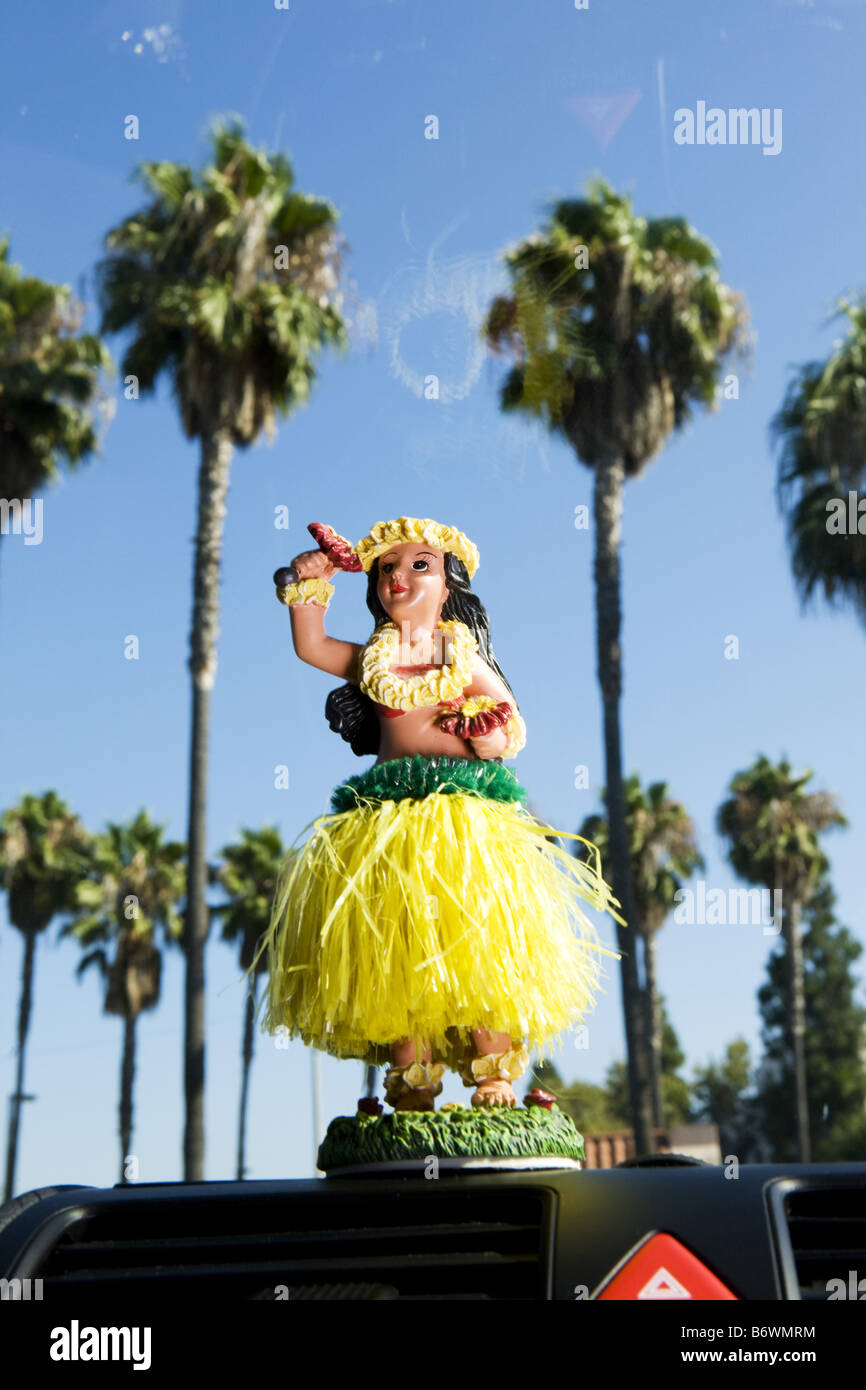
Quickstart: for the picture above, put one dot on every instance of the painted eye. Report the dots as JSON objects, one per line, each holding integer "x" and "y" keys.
{"x": 420, "y": 565}
{"x": 387, "y": 567}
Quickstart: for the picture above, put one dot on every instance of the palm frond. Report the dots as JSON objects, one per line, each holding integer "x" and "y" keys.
{"x": 194, "y": 275}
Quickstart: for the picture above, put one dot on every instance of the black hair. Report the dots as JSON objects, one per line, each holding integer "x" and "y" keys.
{"x": 350, "y": 712}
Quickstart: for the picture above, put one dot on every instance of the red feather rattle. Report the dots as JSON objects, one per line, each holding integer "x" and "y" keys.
{"x": 338, "y": 550}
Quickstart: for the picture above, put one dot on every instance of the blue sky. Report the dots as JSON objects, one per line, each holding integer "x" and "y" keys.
{"x": 531, "y": 101}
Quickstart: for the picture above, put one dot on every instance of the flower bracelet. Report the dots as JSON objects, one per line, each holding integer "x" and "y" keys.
{"x": 480, "y": 715}
{"x": 318, "y": 591}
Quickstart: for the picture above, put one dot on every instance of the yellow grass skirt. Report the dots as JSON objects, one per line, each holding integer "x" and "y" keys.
{"x": 431, "y": 904}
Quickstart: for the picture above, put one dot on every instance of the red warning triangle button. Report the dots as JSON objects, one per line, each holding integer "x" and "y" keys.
{"x": 662, "y": 1268}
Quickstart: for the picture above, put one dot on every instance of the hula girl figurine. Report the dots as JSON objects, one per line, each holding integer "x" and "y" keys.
{"x": 429, "y": 920}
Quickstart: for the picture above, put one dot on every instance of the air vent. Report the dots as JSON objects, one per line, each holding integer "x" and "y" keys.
{"x": 401, "y": 1243}
{"x": 821, "y": 1231}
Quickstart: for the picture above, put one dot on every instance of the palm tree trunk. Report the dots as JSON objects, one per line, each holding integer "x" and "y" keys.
{"x": 654, "y": 1025}
{"x": 127, "y": 1082}
{"x": 797, "y": 1017}
{"x": 246, "y": 1062}
{"x": 607, "y": 505}
{"x": 213, "y": 481}
{"x": 27, "y": 971}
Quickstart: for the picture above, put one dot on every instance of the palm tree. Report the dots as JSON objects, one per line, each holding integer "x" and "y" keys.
{"x": 132, "y": 888}
{"x": 41, "y": 849}
{"x": 663, "y": 853}
{"x": 228, "y": 282}
{"x": 248, "y": 873}
{"x": 49, "y": 380}
{"x": 821, "y": 428}
{"x": 772, "y": 827}
{"x": 616, "y": 327}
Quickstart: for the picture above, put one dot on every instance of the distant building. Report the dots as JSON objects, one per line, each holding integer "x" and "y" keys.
{"x": 695, "y": 1141}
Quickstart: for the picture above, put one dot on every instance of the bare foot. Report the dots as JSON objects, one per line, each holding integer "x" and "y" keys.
{"x": 494, "y": 1091}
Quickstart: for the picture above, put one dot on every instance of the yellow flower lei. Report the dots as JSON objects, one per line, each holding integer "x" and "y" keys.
{"x": 431, "y": 688}
{"x": 516, "y": 731}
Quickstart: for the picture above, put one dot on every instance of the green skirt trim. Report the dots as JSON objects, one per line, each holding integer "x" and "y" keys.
{"x": 417, "y": 777}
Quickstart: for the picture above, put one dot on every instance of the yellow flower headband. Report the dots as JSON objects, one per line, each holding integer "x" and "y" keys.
{"x": 386, "y": 534}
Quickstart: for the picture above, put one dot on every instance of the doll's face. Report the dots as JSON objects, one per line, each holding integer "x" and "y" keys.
{"x": 412, "y": 583}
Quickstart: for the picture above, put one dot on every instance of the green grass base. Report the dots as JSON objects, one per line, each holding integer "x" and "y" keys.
{"x": 458, "y": 1133}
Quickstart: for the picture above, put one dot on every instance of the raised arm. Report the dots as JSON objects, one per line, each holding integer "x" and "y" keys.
{"x": 311, "y": 642}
